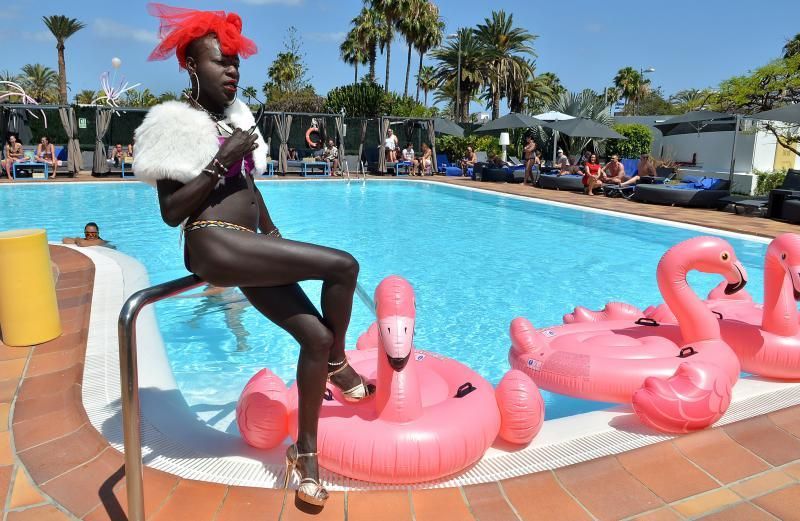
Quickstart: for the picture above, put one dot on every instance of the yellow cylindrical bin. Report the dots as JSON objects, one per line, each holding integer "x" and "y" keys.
{"x": 28, "y": 304}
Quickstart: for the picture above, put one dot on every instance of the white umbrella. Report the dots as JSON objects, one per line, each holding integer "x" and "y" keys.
{"x": 553, "y": 115}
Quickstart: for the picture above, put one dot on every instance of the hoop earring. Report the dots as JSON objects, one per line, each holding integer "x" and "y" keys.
{"x": 197, "y": 80}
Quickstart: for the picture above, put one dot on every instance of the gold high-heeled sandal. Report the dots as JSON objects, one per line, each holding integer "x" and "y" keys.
{"x": 360, "y": 391}
{"x": 309, "y": 490}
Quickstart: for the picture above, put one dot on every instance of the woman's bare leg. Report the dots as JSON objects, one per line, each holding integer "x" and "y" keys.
{"x": 289, "y": 308}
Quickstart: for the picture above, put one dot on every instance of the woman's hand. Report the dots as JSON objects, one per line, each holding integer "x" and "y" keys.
{"x": 238, "y": 145}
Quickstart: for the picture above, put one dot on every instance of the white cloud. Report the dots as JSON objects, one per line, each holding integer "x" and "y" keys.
{"x": 273, "y": 2}
{"x": 112, "y": 29}
{"x": 337, "y": 37}
{"x": 42, "y": 36}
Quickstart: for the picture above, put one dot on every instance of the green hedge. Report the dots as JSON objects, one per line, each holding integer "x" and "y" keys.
{"x": 639, "y": 141}
{"x": 456, "y": 147}
{"x": 767, "y": 181}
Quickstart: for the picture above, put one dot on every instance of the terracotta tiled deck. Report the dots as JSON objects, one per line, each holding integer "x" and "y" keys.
{"x": 55, "y": 466}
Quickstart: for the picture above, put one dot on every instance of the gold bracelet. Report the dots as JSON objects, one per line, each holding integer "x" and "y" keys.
{"x": 275, "y": 233}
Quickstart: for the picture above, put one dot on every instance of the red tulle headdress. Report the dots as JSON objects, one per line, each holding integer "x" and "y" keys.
{"x": 179, "y": 26}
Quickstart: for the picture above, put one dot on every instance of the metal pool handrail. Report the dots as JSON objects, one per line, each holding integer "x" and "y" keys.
{"x": 129, "y": 377}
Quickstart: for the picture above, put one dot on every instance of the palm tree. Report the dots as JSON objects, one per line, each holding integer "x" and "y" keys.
{"x": 431, "y": 32}
{"x": 393, "y": 11}
{"x": 370, "y": 28}
{"x": 6, "y": 75}
{"x": 427, "y": 81}
{"x": 585, "y": 104}
{"x": 792, "y": 47}
{"x": 353, "y": 53}
{"x": 286, "y": 72}
{"x": 505, "y": 48}
{"x": 410, "y": 26}
{"x": 249, "y": 93}
{"x": 40, "y": 82}
{"x": 168, "y": 95}
{"x": 690, "y": 99}
{"x": 535, "y": 93}
{"x": 62, "y": 28}
{"x": 473, "y": 68}
{"x": 85, "y": 97}
{"x": 632, "y": 85}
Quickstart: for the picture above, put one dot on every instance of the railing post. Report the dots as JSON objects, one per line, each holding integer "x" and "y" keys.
{"x": 129, "y": 379}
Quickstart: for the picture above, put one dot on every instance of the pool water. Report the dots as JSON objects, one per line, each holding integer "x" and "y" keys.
{"x": 476, "y": 261}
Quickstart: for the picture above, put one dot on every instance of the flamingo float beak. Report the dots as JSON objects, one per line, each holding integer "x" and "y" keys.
{"x": 396, "y": 337}
{"x": 794, "y": 274}
{"x": 739, "y": 279}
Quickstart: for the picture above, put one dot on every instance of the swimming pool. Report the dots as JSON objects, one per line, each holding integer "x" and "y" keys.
{"x": 476, "y": 260}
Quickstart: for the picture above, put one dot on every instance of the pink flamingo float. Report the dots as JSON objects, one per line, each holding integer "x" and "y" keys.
{"x": 430, "y": 417}
{"x": 766, "y": 338}
{"x": 677, "y": 377}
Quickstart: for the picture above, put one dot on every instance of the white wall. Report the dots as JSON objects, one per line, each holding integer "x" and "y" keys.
{"x": 713, "y": 150}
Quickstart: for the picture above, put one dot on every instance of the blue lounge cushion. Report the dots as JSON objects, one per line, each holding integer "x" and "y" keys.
{"x": 692, "y": 179}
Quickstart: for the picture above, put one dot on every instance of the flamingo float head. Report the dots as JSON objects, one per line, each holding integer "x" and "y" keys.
{"x": 396, "y": 310}
{"x": 708, "y": 255}
{"x": 785, "y": 250}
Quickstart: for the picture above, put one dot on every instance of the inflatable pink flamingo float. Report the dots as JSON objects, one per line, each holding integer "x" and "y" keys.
{"x": 766, "y": 338}
{"x": 430, "y": 417}
{"x": 678, "y": 378}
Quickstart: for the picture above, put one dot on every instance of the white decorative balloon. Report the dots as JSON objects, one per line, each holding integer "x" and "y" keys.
{"x": 116, "y": 62}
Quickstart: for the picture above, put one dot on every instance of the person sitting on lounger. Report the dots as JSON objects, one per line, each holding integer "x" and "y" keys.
{"x": 331, "y": 156}
{"x": 645, "y": 168}
{"x": 118, "y": 155}
{"x": 46, "y": 153}
{"x": 426, "y": 161}
{"x": 410, "y": 158}
{"x": 591, "y": 175}
{"x": 470, "y": 158}
{"x": 613, "y": 172}
{"x": 13, "y": 154}
{"x": 562, "y": 162}
{"x": 91, "y": 237}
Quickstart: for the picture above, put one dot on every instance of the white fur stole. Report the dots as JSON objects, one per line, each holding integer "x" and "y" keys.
{"x": 176, "y": 141}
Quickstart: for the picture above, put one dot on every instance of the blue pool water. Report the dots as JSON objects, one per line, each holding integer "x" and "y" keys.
{"x": 476, "y": 261}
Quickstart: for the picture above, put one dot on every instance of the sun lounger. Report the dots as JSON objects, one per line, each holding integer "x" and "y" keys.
{"x": 572, "y": 182}
{"x": 705, "y": 192}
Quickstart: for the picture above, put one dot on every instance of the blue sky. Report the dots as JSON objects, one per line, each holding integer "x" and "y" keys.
{"x": 691, "y": 44}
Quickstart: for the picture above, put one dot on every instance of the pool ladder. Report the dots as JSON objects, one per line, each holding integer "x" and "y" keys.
{"x": 129, "y": 379}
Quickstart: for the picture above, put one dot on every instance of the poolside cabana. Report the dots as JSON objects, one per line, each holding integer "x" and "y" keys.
{"x": 22, "y": 119}
{"x": 286, "y": 125}
{"x": 409, "y": 125}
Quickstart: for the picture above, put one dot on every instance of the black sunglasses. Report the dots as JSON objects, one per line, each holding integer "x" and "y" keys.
{"x": 259, "y": 113}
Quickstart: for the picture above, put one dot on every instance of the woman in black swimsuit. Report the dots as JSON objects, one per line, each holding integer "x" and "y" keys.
{"x": 230, "y": 238}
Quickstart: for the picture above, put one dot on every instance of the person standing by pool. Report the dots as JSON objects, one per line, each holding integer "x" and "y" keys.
{"x": 230, "y": 238}
{"x": 46, "y": 153}
{"x": 390, "y": 144}
{"x": 13, "y": 154}
{"x": 529, "y": 154}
